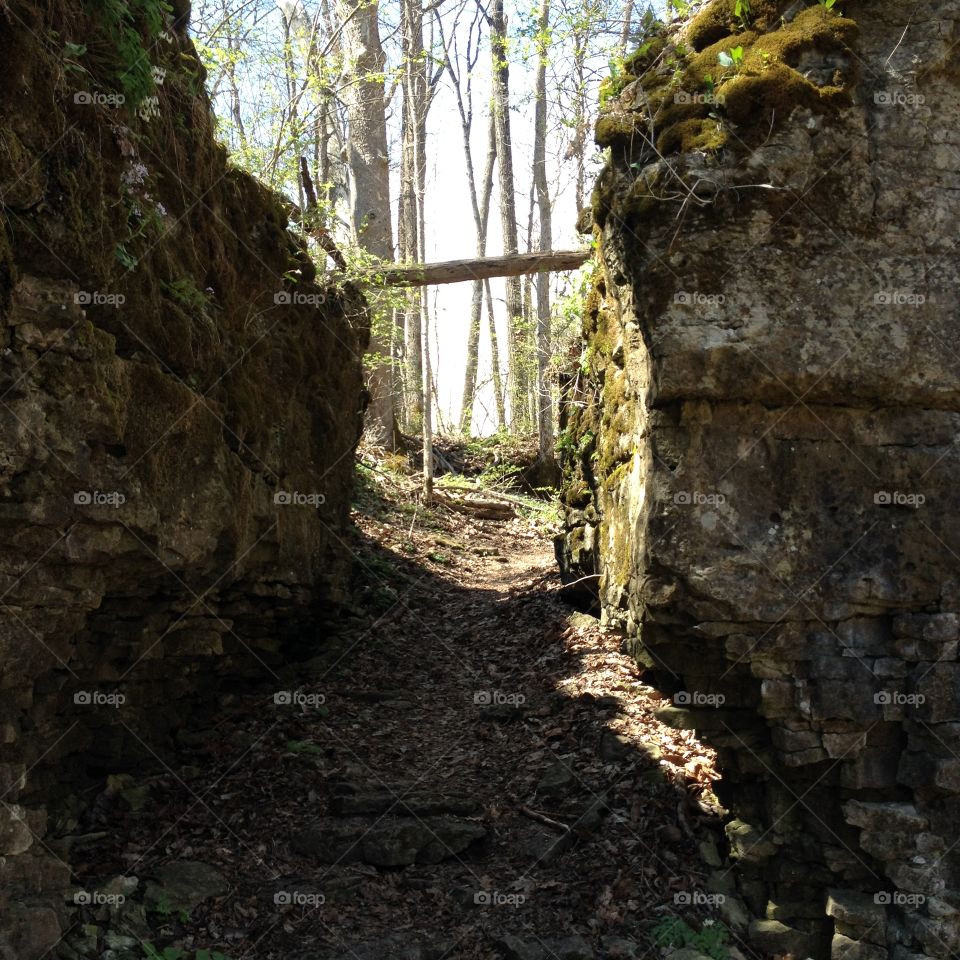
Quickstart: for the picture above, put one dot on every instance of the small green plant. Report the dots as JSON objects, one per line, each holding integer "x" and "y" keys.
{"x": 72, "y": 52}
{"x": 126, "y": 259}
{"x": 731, "y": 58}
{"x": 124, "y": 56}
{"x": 711, "y": 940}
{"x": 743, "y": 12}
{"x": 827, "y": 4}
{"x": 188, "y": 294}
{"x": 164, "y": 908}
{"x": 612, "y": 86}
{"x": 566, "y": 445}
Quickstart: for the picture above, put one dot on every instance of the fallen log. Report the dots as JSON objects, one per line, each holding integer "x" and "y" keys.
{"x": 481, "y": 509}
{"x": 481, "y": 268}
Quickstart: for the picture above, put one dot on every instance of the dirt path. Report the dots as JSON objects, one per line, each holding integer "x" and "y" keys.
{"x": 469, "y": 770}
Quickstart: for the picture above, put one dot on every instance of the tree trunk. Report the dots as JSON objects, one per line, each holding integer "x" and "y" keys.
{"x": 625, "y": 28}
{"x": 529, "y": 320}
{"x": 543, "y": 393}
{"x": 412, "y": 183}
{"x": 498, "y": 391}
{"x": 508, "y": 216}
{"x": 481, "y": 216}
{"x": 363, "y": 95}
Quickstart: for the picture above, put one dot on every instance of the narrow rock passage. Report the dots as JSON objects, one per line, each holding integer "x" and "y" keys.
{"x": 469, "y": 769}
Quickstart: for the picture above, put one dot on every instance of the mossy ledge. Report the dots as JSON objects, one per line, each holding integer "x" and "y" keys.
{"x": 709, "y": 84}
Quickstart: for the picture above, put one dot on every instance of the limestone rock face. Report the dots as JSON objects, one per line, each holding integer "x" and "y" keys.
{"x": 178, "y": 410}
{"x": 763, "y": 475}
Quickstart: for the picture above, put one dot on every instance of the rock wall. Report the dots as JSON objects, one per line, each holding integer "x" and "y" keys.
{"x": 761, "y": 449}
{"x": 179, "y": 405}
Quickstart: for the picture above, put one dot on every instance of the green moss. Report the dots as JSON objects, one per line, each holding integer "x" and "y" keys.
{"x": 693, "y": 103}
{"x": 713, "y": 23}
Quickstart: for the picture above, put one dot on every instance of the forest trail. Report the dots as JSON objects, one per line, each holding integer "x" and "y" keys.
{"x": 470, "y": 770}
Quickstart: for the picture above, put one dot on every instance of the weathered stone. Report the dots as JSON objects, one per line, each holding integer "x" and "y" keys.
{"x": 390, "y": 843}
{"x": 557, "y": 780}
{"x": 919, "y": 626}
{"x": 791, "y": 740}
{"x": 184, "y": 884}
{"x": 844, "y": 745}
{"x": 773, "y": 936}
{"x": 176, "y": 439}
{"x": 28, "y": 932}
{"x": 15, "y": 833}
{"x": 766, "y": 429}
{"x": 511, "y": 947}
{"x": 843, "y": 948}
{"x": 618, "y": 948}
{"x": 902, "y": 818}
{"x": 858, "y": 915}
{"x": 748, "y": 843}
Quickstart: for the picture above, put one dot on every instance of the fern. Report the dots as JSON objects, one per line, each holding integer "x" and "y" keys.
{"x": 127, "y": 59}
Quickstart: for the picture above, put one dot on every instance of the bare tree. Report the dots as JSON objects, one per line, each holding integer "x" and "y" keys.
{"x": 412, "y": 187}
{"x": 519, "y": 379}
{"x": 370, "y": 186}
{"x": 457, "y": 68}
{"x": 544, "y": 399}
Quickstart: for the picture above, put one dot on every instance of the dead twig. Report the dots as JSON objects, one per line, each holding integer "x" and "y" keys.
{"x": 543, "y": 818}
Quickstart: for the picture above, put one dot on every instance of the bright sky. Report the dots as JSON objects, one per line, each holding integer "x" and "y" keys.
{"x": 451, "y": 235}
{"x": 450, "y": 227}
